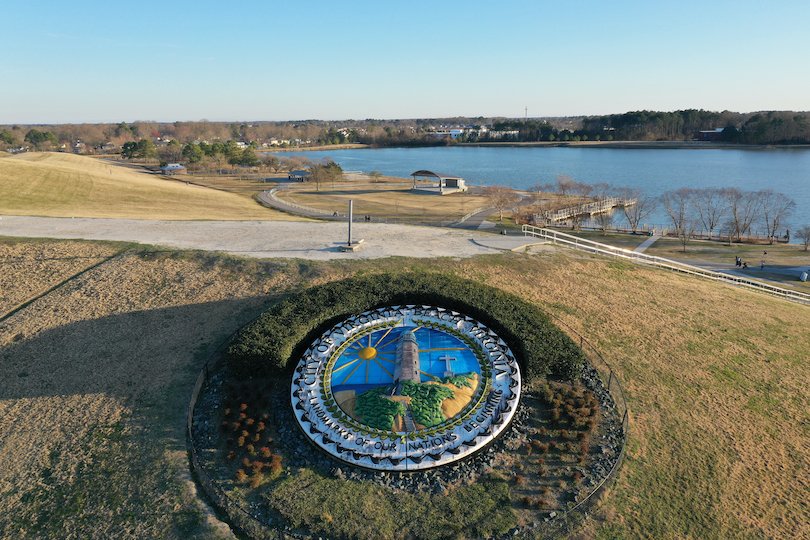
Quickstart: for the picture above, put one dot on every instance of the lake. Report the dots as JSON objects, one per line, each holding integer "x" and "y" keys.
{"x": 655, "y": 170}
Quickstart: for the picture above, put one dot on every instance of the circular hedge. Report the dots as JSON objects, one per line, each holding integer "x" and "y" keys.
{"x": 264, "y": 348}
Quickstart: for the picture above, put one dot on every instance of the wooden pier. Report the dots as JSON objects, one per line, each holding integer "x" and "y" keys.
{"x": 586, "y": 209}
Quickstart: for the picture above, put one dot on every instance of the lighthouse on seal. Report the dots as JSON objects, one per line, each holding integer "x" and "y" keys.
{"x": 407, "y": 367}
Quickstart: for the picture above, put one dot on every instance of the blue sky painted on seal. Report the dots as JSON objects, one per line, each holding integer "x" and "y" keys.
{"x": 72, "y": 62}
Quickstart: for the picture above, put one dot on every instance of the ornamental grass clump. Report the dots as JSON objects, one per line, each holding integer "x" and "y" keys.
{"x": 275, "y": 464}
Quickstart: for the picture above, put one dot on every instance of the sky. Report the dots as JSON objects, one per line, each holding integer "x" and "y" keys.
{"x": 165, "y": 61}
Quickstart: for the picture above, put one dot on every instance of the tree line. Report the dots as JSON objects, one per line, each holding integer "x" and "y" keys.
{"x": 769, "y": 127}
{"x": 772, "y": 127}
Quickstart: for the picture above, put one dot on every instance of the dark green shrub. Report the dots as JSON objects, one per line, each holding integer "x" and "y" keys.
{"x": 266, "y": 347}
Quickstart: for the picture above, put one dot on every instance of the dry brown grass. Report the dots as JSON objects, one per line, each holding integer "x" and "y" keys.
{"x": 246, "y": 185}
{"x": 386, "y": 202}
{"x": 97, "y": 374}
{"x": 66, "y": 185}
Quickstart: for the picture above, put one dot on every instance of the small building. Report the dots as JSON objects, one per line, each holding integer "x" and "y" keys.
{"x": 174, "y": 168}
{"x": 448, "y": 183}
{"x": 710, "y": 135}
{"x": 301, "y": 176}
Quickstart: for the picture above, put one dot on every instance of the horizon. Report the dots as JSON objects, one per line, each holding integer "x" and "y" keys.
{"x": 100, "y": 64}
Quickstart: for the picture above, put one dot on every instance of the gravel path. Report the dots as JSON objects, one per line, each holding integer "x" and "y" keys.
{"x": 314, "y": 241}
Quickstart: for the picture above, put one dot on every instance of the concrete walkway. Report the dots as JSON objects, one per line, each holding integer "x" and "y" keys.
{"x": 647, "y": 243}
{"x": 284, "y": 239}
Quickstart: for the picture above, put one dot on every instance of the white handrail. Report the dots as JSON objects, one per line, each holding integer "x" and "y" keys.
{"x": 660, "y": 262}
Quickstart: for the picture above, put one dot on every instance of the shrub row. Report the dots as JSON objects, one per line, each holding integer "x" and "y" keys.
{"x": 271, "y": 345}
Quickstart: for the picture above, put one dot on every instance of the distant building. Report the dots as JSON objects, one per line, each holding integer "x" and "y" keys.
{"x": 174, "y": 168}
{"x": 303, "y": 176}
{"x": 710, "y": 135}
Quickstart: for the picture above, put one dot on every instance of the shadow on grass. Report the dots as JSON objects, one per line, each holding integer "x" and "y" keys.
{"x": 97, "y": 410}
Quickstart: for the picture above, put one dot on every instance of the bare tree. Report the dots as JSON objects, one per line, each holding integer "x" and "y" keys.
{"x": 515, "y": 206}
{"x": 576, "y": 221}
{"x": 710, "y": 204}
{"x": 581, "y": 188}
{"x": 677, "y": 203}
{"x": 502, "y": 198}
{"x": 743, "y": 207}
{"x": 546, "y": 187}
{"x": 319, "y": 174}
{"x": 603, "y": 190}
{"x": 803, "y": 234}
{"x": 271, "y": 162}
{"x": 776, "y": 207}
{"x": 565, "y": 184}
{"x": 169, "y": 153}
{"x": 605, "y": 220}
{"x": 643, "y": 206}
{"x": 686, "y": 232}
{"x": 291, "y": 163}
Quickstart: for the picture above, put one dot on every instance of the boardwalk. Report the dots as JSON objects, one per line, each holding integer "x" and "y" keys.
{"x": 582, "y": 210}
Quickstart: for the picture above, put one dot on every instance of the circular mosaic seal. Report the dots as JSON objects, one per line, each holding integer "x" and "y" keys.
{"x": 405, "y": 388}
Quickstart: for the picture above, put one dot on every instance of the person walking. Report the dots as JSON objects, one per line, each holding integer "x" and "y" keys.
{"x": 762, "y": 264}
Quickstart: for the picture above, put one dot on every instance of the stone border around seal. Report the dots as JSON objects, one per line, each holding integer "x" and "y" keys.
{"x": 476, "y": 426}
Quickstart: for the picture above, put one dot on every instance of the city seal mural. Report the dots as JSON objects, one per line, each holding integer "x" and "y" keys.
{"x": 405, "y": 388}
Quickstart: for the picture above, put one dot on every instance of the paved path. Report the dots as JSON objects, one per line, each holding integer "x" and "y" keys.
{"x": 305, "y": 240}
{"x": 647, "y": 243}
{"x": 285, "y": 239}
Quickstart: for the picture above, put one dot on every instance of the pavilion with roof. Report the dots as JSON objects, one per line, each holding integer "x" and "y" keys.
{"x": 448, "y": 183}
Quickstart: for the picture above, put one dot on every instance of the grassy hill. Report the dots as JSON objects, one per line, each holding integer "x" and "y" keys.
{"x": 66, "y": 185}
{"x": 98, "y": 372}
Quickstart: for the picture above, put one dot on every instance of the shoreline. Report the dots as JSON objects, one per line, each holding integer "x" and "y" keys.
{"x": 623, "y": 145}
{"x": 642, "y": 145}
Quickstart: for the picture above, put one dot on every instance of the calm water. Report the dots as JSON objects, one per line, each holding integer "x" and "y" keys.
{"x": 783, "y": 170}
